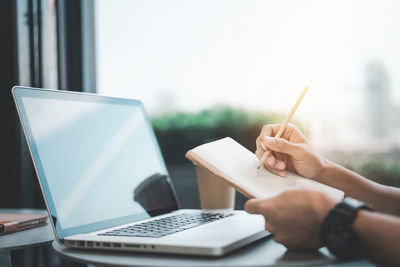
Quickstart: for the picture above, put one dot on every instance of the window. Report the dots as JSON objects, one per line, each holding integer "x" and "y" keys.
{"x": 186, "y": 56}
{"x": 181, "y": 57}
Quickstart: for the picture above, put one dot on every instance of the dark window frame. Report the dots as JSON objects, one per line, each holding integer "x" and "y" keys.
{"x": 23, "y": 63}
{"x": 76, "y": 45}
{"x": 9, "y": 69}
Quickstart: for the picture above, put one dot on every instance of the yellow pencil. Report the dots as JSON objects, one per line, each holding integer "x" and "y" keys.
{"x": 283, "y": 126}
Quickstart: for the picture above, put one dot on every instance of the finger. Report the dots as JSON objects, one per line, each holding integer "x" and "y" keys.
{"x": 270, "y": 161}
{"x": 274, "y": 162}
{"x": 260, "y": 144}
{"x": 279, "y": 238}
{"x": 267, "y": 130}
{"x": 268, "y": 226}
{"x": 280, "y": 156}
{"x": 280, "y": 173}
{"x": 270, "y": 130}
{"x": 280, "y": 165}
{"x": 283, "y": 146}
{"x": 259, "y": 151}
{"x": 252, "y": 206}
{"x": 268, "y": 158}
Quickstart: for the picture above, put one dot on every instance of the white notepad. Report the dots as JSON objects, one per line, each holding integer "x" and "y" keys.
{"x": 235, "y": 164}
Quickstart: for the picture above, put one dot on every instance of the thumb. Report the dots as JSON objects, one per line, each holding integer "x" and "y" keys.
{"x": 283, "y": 146}
{"x": 251, "y": 206}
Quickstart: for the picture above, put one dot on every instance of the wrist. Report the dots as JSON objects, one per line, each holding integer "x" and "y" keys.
{"x": 327, "y": 172}
{"x": 324, "y": 205}
{"x": 337, "y": 232}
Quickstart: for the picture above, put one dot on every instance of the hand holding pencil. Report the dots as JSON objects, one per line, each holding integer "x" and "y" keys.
{"x": 283, "y": 127}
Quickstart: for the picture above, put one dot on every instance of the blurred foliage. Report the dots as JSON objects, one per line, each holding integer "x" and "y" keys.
{"x": 214, "y": 118}
{"x": 381, "y": 170}
{"x": 179, "y": 132}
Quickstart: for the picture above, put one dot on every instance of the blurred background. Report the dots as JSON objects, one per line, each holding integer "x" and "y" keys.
{"x": 209, "y": 69}
{"x": 206, "y": 70}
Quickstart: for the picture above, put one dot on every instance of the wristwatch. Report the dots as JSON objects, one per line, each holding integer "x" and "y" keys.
{"x": 337, "y": 233}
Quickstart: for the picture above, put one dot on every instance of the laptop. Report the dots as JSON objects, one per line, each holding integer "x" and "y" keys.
{"x": 105, "y": 183}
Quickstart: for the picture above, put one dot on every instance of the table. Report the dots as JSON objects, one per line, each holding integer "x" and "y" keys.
{"x": 265, "y": 252}
{"x": 30, "y": 237}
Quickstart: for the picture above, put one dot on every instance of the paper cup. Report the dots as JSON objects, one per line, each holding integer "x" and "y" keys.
{"x": 214, "y": 192}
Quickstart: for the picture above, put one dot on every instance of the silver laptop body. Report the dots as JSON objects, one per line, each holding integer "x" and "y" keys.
{"x": 105, "y": 183}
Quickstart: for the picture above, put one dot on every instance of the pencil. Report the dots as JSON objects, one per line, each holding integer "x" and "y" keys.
{"x": 283, "y": 126}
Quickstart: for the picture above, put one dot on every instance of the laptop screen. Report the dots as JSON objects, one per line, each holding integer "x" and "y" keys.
{"x": 96, "y": 157}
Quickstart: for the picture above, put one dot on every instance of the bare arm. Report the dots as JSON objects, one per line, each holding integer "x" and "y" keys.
{"x": 379, "y": 235}
{"x": 383, "y": 198}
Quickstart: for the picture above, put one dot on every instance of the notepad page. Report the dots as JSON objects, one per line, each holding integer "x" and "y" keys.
{"x": 239, "y": 165}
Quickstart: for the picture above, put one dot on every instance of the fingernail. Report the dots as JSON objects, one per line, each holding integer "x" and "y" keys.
{"x": 280, "y": 165}
{"x": 269, "y": 139}
{"x": 263, "y": 147}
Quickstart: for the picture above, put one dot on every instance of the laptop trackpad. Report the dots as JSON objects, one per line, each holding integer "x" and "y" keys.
{"x": 221, "y": 233}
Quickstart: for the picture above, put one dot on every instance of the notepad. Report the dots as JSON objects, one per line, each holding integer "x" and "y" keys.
{"x": 235, "y": 164}
{"x": 11, "y": 222}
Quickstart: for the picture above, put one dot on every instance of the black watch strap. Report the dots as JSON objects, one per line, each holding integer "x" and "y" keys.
{"x": 336, "y": 230}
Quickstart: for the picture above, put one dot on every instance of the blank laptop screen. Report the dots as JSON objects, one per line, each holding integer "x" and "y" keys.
{"x": 97, "y": 159}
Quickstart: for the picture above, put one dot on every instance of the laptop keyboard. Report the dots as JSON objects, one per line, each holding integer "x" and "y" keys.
{"x": 168, "y": 225}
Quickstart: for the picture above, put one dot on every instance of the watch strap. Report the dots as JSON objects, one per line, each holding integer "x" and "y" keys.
{"x": 336, "y": 230}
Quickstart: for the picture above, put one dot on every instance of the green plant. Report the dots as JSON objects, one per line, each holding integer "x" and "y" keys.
{"x": 381, "y": 170}
{"x": 213, "y": 118}
{"x": 179, "y": 132}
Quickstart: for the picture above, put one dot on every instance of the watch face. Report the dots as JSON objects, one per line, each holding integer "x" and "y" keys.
{"x": 354, "y": 203}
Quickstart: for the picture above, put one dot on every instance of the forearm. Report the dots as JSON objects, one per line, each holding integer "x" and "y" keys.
{"x": 382, "y": 198}
{"x": 379, "y": 235}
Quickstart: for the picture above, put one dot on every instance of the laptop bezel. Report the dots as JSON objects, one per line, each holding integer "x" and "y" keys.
{"x": 20, "y": 91}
